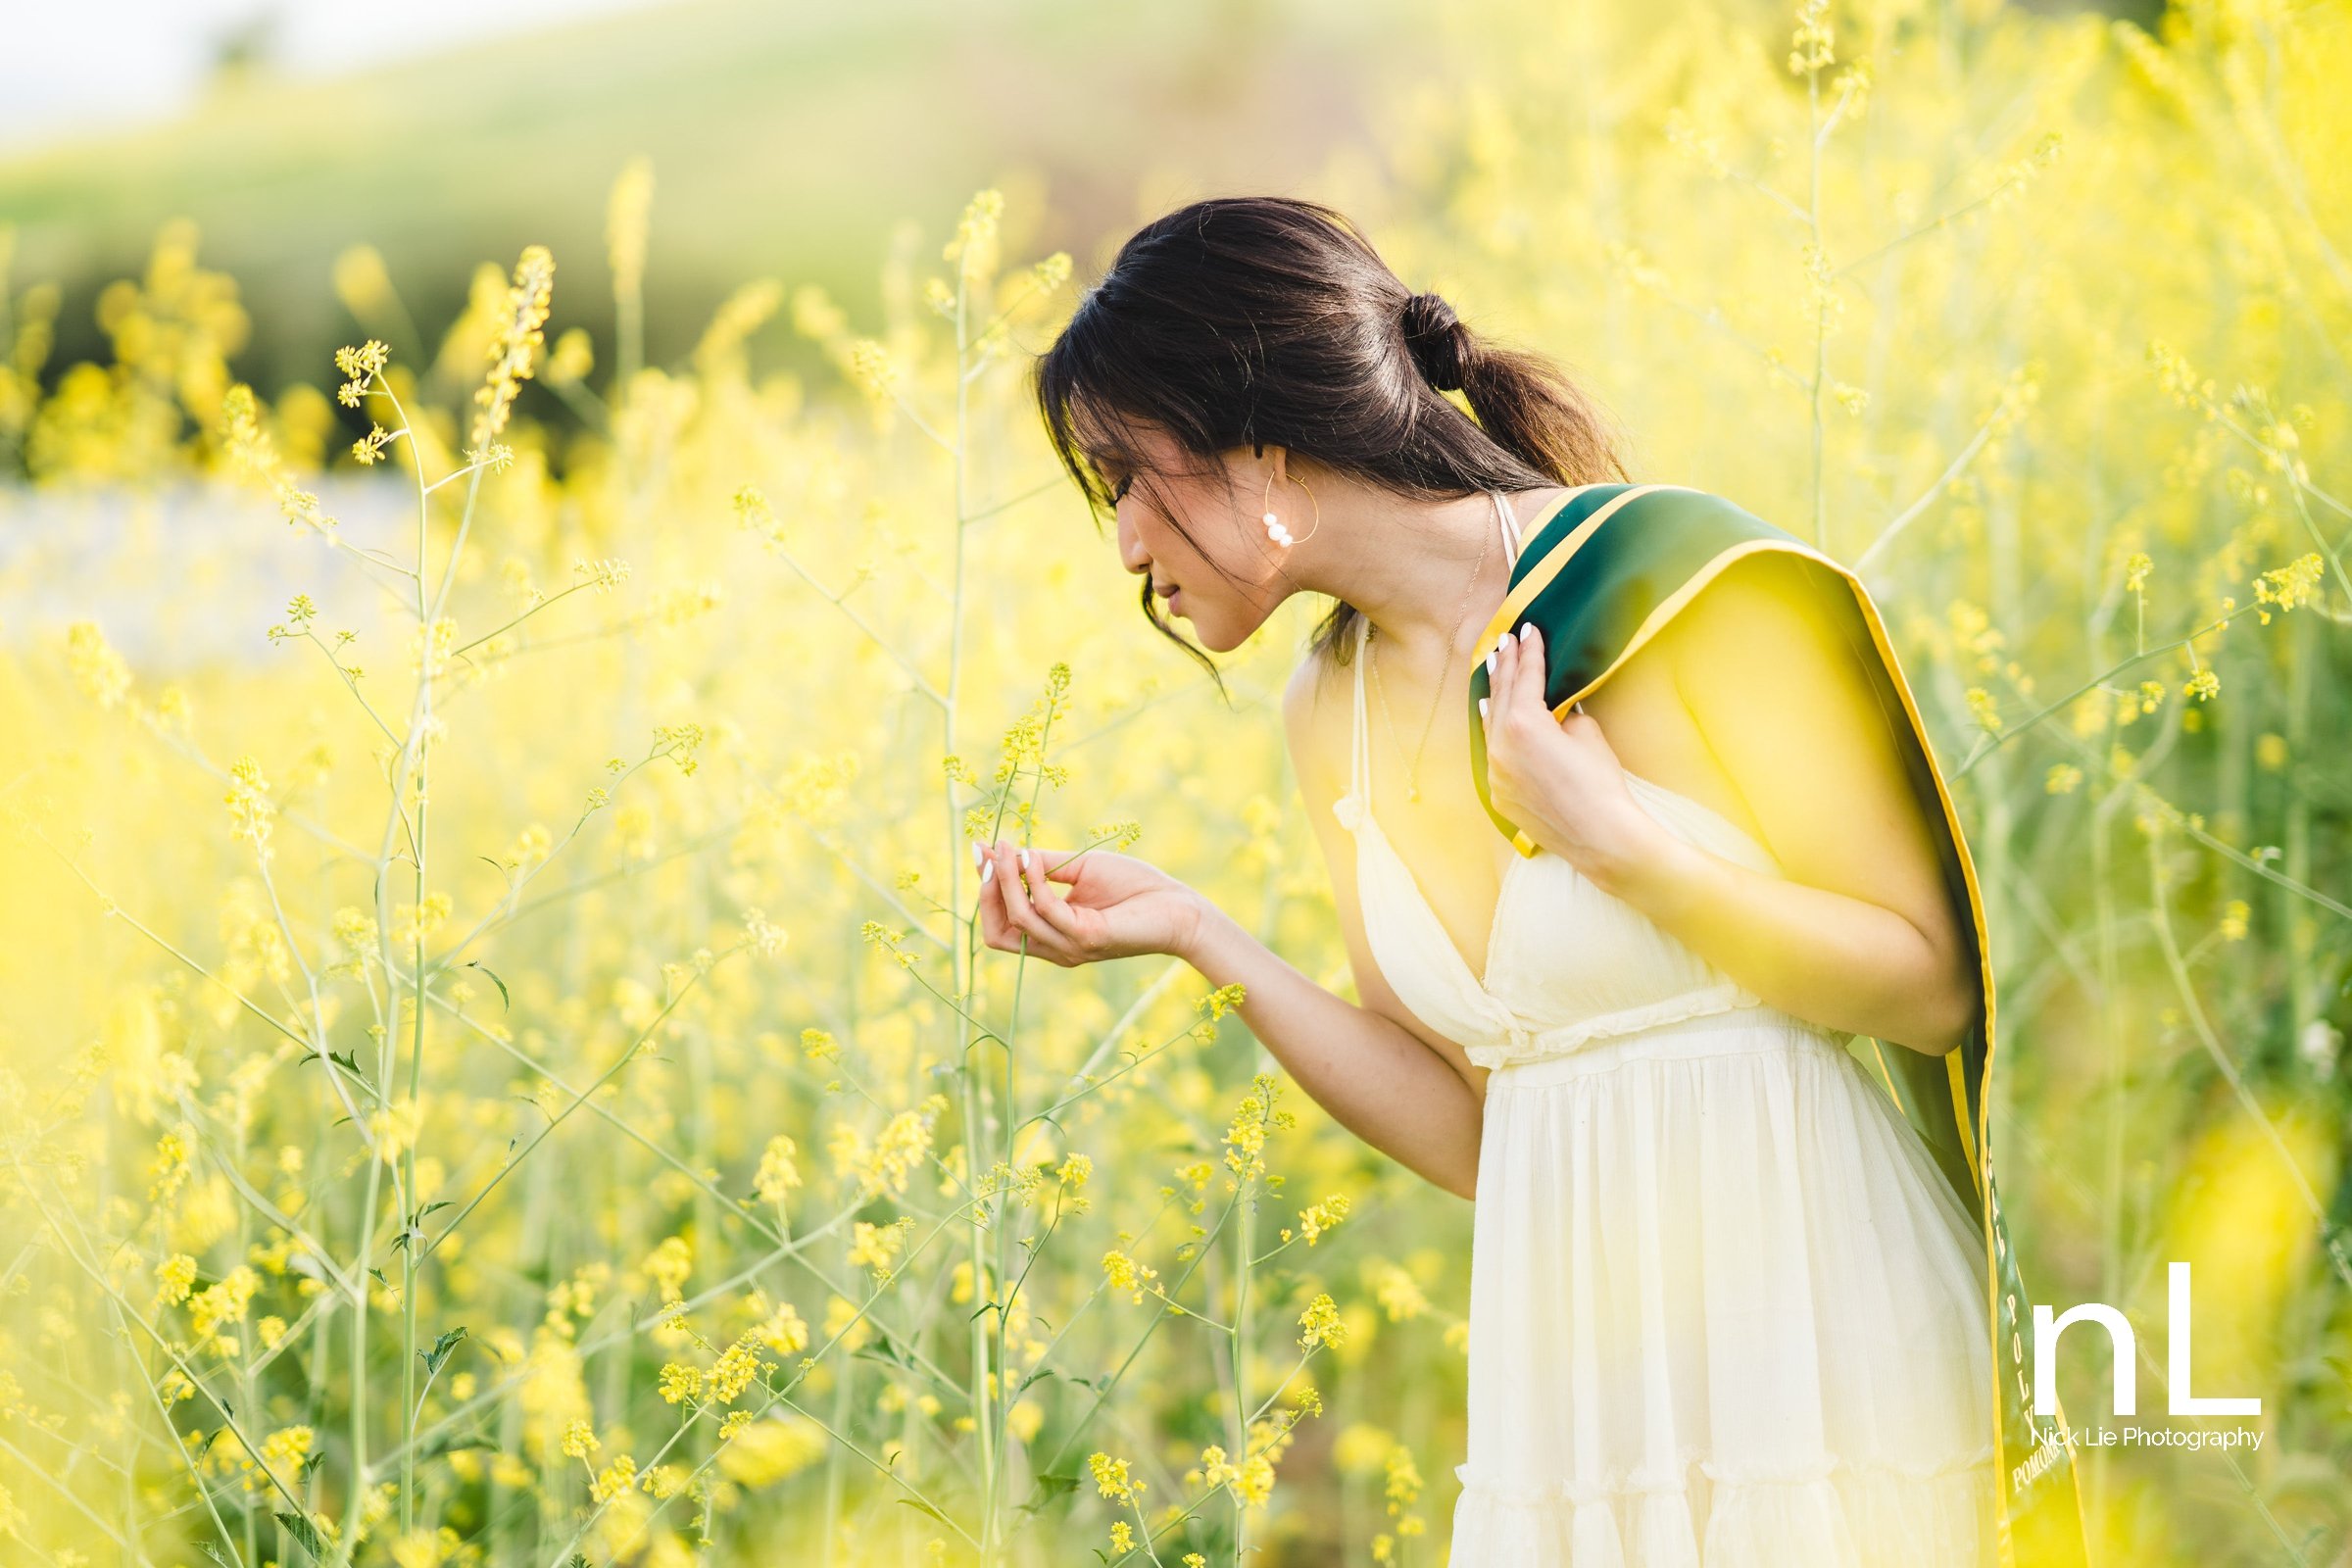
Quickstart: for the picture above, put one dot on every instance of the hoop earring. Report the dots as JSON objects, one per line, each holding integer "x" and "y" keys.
{"x": 1274, "y": 528}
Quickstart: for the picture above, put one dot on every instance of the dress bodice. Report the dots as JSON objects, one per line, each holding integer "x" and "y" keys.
{"x": 1567, "y": 962}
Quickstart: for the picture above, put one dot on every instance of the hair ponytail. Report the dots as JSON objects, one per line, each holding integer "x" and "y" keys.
{"x": 1241, "y": 321}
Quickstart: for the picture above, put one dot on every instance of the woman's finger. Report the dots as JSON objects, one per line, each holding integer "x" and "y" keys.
{"x": 1055, "y": 910}
{"x": 1520, "y": 679}
{"x": 1018, "y": 906}
{"x": 1499, "y": 672}
{"x": 994, "y": 926}
{"x": 1531, "y": 665}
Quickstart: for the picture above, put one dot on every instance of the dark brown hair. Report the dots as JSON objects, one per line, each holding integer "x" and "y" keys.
{"x": 1246, "y": 319}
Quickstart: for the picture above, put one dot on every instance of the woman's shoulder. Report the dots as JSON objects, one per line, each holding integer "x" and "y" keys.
{"x": 1311, "y": 719}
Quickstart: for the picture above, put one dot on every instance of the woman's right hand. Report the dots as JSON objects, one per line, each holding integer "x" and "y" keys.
{"x": 1117, "y": 905}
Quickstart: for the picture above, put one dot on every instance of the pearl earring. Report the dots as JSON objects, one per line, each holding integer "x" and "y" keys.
{"x": 1275, "y": 530}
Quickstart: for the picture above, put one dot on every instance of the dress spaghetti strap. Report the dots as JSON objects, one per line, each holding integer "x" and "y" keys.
{"x": 1359, "y": 753}
{"x": 1510, "y": 528}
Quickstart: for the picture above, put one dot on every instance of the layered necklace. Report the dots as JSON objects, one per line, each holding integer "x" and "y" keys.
{"x": 1412, "y": 781}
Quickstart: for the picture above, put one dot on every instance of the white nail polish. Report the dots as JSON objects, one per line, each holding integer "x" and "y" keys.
{"x": 1490, "y": 666}
{"x": 979, "y": 855}
{"x": 987, "y": 871}
{"x": 1482, "y": 708}
{"x": 1502, "y": 642}
{"x": 1024, "y": 859}
{"x": 1527, "y": 632}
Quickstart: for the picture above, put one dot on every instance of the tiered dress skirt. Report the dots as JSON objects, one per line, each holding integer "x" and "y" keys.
{"x": 1724, "y": 1313}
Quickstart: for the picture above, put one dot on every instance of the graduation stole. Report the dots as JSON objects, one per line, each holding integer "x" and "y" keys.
{"x": 1601, "y": 575}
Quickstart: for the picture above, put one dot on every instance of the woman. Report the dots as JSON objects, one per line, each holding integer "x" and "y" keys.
{"x": 1727, "y": 1305}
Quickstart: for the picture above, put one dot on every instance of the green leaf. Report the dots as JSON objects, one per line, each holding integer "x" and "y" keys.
{"x": 456, "y": 1443}
{"x": 504, "y": 1001}
{"x": 1053, "y": 1489}
{"x": 305, "y": 1534}
{"x": 212, "y": 1552}
{"x": 439, "y": 1353}
{"x": 920, "y": 1506}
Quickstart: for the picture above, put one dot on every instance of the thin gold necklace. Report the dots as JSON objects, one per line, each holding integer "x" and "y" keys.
{"x": 1412, "y": 777}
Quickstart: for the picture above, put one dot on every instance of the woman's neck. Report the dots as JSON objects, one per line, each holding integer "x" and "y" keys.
{"x": 1426, "y": 574}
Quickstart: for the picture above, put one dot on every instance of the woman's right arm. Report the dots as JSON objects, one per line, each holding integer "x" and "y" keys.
{"x": 1377, "y": 1078}
{"x": 1413, "y": 1096}
{"x": 1410, "y": 1094}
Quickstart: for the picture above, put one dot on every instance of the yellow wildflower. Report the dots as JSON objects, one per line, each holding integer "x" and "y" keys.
{"x": 1321, "y": 1321}
{"x": 1111, "y": 1477}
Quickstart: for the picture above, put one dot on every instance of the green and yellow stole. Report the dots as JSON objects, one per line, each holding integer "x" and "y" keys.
{"x": 1602, "y": 575}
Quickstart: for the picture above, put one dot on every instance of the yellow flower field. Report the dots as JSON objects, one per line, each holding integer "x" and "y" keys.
{"x": 497, "y": 1063}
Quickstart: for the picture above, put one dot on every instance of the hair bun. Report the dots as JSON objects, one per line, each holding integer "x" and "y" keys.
{"x": 1436, "y": 340}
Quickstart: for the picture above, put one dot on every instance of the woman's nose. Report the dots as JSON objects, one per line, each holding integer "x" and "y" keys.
{"x": 1131, "y": 548}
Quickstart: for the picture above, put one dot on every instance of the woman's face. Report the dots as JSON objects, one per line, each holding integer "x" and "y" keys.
{"x": 1220, "y": 510}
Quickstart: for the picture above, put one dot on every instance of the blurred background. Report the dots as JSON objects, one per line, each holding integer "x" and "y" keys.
{"x": 525, "y": 552}
{"x": 791, "y": 138}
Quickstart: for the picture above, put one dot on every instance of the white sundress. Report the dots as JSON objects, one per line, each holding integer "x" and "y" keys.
{"x": 1724, "y": 1310}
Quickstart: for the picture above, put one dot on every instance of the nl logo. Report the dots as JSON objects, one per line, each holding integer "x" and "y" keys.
{"x": 2182, "y": 1399}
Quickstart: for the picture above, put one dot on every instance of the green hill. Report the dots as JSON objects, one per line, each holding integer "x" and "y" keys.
{"x": 787, "y": 140}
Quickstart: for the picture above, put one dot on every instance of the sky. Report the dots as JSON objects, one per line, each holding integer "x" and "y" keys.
{"x": 77, "y": 66}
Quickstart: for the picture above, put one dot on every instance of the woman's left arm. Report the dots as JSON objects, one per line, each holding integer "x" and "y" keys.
{"x": 1861, "y": 936}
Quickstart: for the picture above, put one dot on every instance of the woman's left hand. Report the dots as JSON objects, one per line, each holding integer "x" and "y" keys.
{"x": 1558, "y": 779}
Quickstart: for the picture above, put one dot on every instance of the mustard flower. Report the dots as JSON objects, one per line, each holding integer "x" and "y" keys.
{"x": 1126, "y": 1274}
{"x": 1321, "y": 1321}
{"x": 2286, "y": 587}
{"x": 1321, "y": 1218}
{"x": 176, "y": 1277}
{"x": 737, "y": 1366}
{"x": 173, "y": 1152}
{"x": 515, "y": 337}
{"x": 97, "y": 669}
{"x": 871, "y": 369}
{"x": 1398, "y": 1294}
{"x": 669, "y": 1263}
{"x": 626, "y": 213}
{"x": 783, "y": 1331}
{"x": 603, "y": 575}
{"x": 1809, "y": 47}
{"x": 681, "y": 1383}
{"x": 777, "y": 1173}
{"x": 362, "y": 365}
{"x": 1111, "y": 1477}
{"x": 877, "y": 1247}
{"x": 614, "y": 1479}
{"x": 1984, "y": 708}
